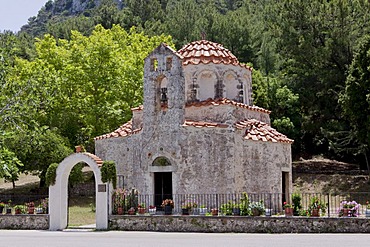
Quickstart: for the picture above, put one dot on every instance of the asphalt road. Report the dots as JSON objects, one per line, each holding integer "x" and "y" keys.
{"x": 113, "y": 238}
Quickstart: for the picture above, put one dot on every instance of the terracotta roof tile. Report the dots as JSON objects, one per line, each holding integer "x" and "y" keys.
{"x": 204, "y": 51}
{"x": 223, "y": 101}
{"x": 139, "y": 108}
{"x": 257, "y": 130}
{"x": 123, "y": 130}
{"x": 200, "y": 124}
{"x": 215, "y": 102}
{"x": 98, "y": 161}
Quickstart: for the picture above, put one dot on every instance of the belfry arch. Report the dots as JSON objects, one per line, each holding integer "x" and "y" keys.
{"x": 58, "y": 193}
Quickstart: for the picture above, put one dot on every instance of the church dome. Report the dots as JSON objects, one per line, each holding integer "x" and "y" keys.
{"x": 204, "y": 51}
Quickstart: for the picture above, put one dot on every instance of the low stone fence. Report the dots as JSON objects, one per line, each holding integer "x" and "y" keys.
{"x": 239, "y": 224}
{"x": 25, "y": 222}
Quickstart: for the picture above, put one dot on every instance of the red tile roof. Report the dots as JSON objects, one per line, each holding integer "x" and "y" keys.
{"x": 200, "y": 124}
{"x": 215, "y": 102}
{"x": 98, "y": 161}
{"x": 204, "y": 51}
{"x": 139, "y": 108}
{"x": 255, "y": 130}
{"x": 123, "y": 130}
{"x": 260, "y": 131}
{"x": 223, "y": 101}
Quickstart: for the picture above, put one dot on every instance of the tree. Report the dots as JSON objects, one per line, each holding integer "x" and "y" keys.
{"x": 86, "y": 86}
{"x": 38, "y": 148}
{"x": 356, "y": 99}
{"x": 315, "y": 40}
{"x": 9, "y": 163}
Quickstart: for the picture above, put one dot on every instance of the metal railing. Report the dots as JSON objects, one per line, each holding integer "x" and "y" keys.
{"x": 273, "y": 202}
{"x": 23, "y": 204}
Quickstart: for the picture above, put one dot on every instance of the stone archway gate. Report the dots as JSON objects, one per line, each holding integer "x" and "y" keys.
{"x": 58, "y": 193}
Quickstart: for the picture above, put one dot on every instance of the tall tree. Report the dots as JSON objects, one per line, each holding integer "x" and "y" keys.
{"x": 356, "y": 100}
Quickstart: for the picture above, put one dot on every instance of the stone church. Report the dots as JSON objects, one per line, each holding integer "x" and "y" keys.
{"x": 198, "y": 131}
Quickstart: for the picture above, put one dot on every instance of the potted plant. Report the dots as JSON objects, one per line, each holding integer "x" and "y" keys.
{"x": 168, "y": 205}
{"x": 45, "y": 205}
{"x": 257, "y": 208}
{"x": 244, "y": 205}
{"x": 214, "y": 211}
{"x": 349, "y": 209}
{"x": 315, "y": 206}
{"x": 367, "y": 211}
{"x": 236, "y": 209}
{"x": 131, "y": 211}
{"x": 186, "y": 207}
{"x": 19, "y": 209}
{"x": 202, "y": 210}
{"x": 8, "y": 207}
{"x": 30, "y": 207}
{"x": 2, "y": 206}
{"x": 227, "y": 208}
{"x": 297, "y": 205}
{"x": 152, "y": 209}
{"x": 288, "y": 209}
{"x": 141, "y": 208}
{"x": 119, "y": 200}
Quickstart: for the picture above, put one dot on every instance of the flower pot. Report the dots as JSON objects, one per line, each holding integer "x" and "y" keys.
{"x": 1, "y": 209}
{"x": 119, "y": 210}
{"x": 152, "y": 211}
{"x": 236, "y": 211}
{"x": 185, "y": 211}
{"x": 214, "y": 212}
{"x": 195, "y": 211}
{"x": 8, "y": 211}
{"x": 346, "y": 212}
{"x": 315, "y": 213}
{"x": 255, "y": 212}
{"x": 31, "y": 210}
{"x": 268, "y": 212}
{"x": 18, "y": 211}
{"x": 367, "y": 213}
{"x": 202, "y": 211}
{"x": 167, "y": 210}
{"x": 78, "y": 149}
{"x": 288, "y": 212}
{"x": 39, "y": 210}
{"x": 131, "y": 211}
{"x": 141, "y": 210}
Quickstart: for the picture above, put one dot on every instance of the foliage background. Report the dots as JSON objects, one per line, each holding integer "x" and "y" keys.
{"x": 73, "y": 73}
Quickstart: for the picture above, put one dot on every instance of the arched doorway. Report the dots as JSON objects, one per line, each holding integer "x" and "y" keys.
{"x": 58, "y": 193}
{"x": 162, "y": 181}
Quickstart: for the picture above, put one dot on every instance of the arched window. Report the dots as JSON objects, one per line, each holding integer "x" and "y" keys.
{"x": 162, "y": 93}
{"x": 233, "y": 88}
{"x": 207, "y": 82}
{"x": 161, "y": 161}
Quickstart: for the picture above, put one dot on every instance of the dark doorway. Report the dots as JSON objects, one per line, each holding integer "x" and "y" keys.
{"x": 162, "y": 187}
{"x": 285, "y": 187}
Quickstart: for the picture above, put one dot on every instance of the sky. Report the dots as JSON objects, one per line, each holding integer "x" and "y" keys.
{"x": 15, "y": 13}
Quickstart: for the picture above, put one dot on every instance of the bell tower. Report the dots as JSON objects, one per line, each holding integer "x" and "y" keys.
{"x": 164, "y": 94}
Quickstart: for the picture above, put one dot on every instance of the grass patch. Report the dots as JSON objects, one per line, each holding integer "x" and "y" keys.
{"x": 80, "y": 211}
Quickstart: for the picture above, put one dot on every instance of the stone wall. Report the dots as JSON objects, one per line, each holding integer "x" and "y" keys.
{"x": 25, "y": 222}
{"x": 239, "y": 224}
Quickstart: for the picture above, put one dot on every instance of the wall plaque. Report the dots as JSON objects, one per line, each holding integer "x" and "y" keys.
{"x": 102, "y": 188}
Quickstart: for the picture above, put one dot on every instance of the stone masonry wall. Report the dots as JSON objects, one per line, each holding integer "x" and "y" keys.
{"x": 239, "y": 224}
{"x": 24, "y": 222}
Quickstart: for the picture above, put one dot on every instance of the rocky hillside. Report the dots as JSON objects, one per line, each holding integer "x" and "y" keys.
{"x": 60, "y": 10}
